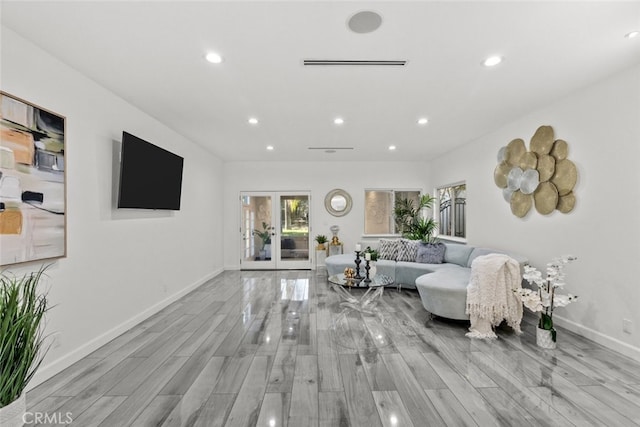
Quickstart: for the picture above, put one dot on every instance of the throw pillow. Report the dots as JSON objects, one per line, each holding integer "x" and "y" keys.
{"x": 431, "y": 253}
{"x": 407, "y": 250}
{"x": 388, "y": 249}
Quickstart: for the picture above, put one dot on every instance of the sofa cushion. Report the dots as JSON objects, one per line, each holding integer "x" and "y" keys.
{"x": 408, "y": 272}
{"x": 388, "y": 249}
{"x": 444, "y": 292}
{"x": 407, "y": 250}
{"x": 457, "y": 254}
{"x": 431, "y": 253}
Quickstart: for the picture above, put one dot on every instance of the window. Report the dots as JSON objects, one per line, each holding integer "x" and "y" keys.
{"x": 379, "y": 206}
{"x": 452, "y": 202}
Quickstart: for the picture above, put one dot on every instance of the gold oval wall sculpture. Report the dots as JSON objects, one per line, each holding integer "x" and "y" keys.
{"x": 565, "y": 176}
{"x": 542, "y": 140}
{"x": 500, "y": 174}
{"x": 520, "y": 203}
{"x": 546, "y": 159}
{"x": 545, "y": 198}
{"x": 560, "y": 149}
{"x": 528, "y": 160}
{"x": 546, "y": 167}
{"x": 515, "y": 150}
{"x": 566, "y": 203}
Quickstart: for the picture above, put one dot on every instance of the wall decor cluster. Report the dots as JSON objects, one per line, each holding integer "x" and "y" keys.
{"x": 32, "y": 182}
{"x": 542, "y": 177}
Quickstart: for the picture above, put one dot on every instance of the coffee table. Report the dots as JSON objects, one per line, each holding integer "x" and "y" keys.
{"x": 360, "y": 325}
{"x": 367, "y": 302}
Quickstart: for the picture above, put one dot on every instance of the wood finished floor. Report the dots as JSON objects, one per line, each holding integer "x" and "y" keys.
{"x": 256, "y": 348}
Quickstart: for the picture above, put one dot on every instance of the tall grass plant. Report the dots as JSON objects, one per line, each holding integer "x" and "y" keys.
{"x": 22, "y": 310}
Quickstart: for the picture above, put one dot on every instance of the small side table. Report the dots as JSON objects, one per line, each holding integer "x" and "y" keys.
{"x": 321, "y": 255}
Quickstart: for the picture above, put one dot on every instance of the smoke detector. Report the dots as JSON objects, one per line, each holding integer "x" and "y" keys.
{"x": 364, "y": 22}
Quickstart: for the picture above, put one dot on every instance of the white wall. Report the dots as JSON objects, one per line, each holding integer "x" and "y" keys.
{"x": 319, "y": 178}
{"x": 122, "y": 265}
{"x": 602, "y": 127}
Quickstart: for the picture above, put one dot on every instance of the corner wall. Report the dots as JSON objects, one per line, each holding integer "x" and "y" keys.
{"x": 121, "y": 265}
{"x": 602, "y": 127}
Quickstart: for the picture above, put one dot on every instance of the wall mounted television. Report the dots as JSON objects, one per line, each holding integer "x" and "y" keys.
{"x": 150, "y": 176}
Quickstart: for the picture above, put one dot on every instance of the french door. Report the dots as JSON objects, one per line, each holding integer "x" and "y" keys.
{"x": 274, "y": 230}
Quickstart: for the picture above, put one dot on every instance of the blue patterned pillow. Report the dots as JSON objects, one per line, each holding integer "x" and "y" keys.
{"x": 388, "y": 249}
{"x": 407, "y": 250}
{"x": 431, "y": 253}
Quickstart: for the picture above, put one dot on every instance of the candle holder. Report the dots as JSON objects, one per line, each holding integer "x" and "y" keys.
{"x": 358, "y": 261}
{"x": 367, "y": 267}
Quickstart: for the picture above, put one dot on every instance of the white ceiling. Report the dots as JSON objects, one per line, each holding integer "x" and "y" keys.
{"x": 151, "y": 54}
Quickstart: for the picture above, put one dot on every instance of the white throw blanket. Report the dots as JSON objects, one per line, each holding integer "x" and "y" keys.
{"x": 491, "y": 297}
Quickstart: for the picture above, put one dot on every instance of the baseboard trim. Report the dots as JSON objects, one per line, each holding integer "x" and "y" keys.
{"x": 60, "y": 364}
{"x": 607, "y": 341}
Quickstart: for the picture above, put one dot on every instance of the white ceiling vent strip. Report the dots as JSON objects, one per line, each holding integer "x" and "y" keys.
{"x": 352, "y": 62}
{"x": 330, "y": 148}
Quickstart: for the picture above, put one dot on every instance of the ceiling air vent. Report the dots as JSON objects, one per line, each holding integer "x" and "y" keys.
{"x": 330, "y": 149}
{"x": 352, "y": 62}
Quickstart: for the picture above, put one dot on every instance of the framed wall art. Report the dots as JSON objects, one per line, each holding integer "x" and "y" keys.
{"x": 32, "y": 182}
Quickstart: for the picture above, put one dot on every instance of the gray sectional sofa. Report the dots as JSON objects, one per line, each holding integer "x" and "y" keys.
{"x": 442, "y": 287}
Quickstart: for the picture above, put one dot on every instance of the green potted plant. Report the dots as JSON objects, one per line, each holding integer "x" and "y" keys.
{"x": 321, "y": 239}
{"x": 265, "y": 236}
{"x": 422, "y": 229}
{"x": 409, "y": 220}
{"x": 22, "y": 310}
{"x": 373, "y": 253}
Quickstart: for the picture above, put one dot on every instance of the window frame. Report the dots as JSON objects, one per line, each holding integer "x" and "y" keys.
{"x": 420, "y": 192}
{"x": 436, "y": 208}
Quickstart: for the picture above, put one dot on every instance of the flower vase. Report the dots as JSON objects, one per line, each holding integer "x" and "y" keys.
{"x": 544, "y": 338}
{"x": 11, "y": 415}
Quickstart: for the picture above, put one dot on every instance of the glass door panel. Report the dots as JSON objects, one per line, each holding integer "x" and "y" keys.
{"x": 257, "y": 231}
{"x": 294, "y": 231}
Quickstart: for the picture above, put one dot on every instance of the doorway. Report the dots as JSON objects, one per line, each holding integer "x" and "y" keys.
{"x": 274, "y": 230}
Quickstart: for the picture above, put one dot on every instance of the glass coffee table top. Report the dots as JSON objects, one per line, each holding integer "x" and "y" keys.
{"x": 377, "y": 280}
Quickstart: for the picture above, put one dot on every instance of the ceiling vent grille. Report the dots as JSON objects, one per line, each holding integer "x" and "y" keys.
{"x": 330, "y": 149}
{"x": 352, "y": 62}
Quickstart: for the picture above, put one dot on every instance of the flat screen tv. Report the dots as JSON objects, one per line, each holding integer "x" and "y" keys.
{"x": 150, "y": 176}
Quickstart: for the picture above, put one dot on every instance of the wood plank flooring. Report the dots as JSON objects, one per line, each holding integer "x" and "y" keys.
{"x": 258, "y": 349}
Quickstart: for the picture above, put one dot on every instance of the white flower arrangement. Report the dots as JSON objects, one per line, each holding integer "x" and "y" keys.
{"x": 545, "y": 298}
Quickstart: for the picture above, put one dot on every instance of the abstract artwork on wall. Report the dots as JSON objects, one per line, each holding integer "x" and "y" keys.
{"x": 32, "y": 182}
{"x": 542, "y": 177}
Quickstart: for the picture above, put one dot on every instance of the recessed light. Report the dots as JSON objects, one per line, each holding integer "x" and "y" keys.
{"x": 423, "y": 121}
{"x": 213, "y": 57}
{"x": 492, "y": 61}
{"x": 338, "y": 120}
{"x": 252, "y": 121}
{"x": 270, "y": 147}
{"x": 392, "y": 148}
{"x": 632, "y": 34}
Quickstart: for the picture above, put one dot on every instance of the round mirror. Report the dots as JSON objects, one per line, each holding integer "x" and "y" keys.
{"x": 337, "y": 202}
